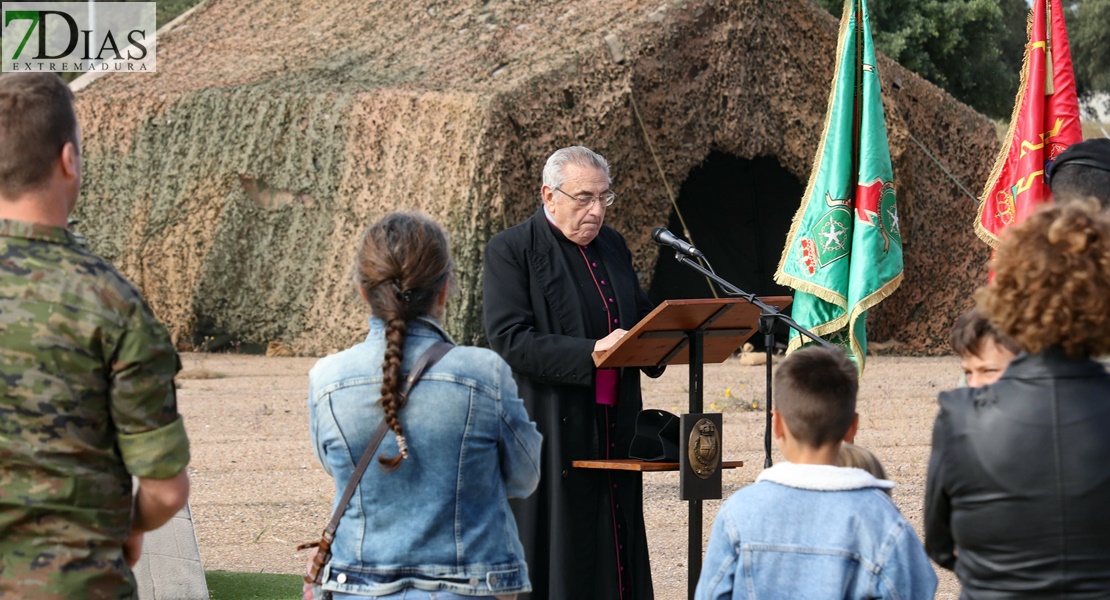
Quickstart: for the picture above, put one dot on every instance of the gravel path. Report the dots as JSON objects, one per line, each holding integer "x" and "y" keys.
{"x": 258, "y": 489}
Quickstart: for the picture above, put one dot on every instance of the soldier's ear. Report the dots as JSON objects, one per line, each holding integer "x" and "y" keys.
{"x": 70, "y": 160}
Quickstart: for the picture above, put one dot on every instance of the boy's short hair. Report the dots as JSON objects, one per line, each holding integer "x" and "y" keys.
{"x": 972, "y": 328}
{"x": 815, "y": 392}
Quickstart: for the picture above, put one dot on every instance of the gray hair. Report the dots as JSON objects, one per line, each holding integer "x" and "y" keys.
{"x": 582, "y": 156}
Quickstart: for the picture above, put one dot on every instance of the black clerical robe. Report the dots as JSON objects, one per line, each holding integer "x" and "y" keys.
{"x": 583, "y": 530}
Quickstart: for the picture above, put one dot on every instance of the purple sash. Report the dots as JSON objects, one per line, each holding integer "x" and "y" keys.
{"x": 607, "y": 387}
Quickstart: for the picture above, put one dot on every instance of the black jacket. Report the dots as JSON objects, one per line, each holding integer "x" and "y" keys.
{"x": 1019, "y": 482}
{"x": 533, "y": 318}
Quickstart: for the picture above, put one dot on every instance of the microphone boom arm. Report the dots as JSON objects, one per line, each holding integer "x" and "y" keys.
{"x": 765, "y": 310}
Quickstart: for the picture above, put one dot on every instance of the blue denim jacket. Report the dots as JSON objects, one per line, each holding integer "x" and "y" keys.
{"x": 814, "y": 531}
{"x": 441, "y": 521}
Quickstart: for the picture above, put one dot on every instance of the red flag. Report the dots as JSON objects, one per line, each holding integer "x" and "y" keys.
{"x": 1044, "y": 123}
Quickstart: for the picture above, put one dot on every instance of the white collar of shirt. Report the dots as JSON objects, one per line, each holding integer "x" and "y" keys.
{"x": 822, "y": 478}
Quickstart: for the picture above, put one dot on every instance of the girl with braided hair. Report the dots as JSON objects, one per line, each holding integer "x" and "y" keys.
{"x": 433, "y": 520}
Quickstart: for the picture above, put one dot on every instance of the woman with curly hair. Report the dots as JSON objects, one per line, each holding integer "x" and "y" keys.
{"x": 1019, "y": 476}
{"x": 433, "y": 520}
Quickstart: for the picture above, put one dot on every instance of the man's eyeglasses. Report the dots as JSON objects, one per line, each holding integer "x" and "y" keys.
{"x": 605, "y": 199}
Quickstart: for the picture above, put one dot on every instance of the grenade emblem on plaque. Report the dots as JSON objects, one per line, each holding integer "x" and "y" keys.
{"x": 704, "y": 449}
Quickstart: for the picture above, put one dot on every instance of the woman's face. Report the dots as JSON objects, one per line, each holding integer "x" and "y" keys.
{"x": 987, "y": 366}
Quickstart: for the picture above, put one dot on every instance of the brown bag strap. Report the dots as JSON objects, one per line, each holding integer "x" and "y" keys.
{"x": 429, "y": 358}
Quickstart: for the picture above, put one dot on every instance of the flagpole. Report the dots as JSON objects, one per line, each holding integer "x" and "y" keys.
{"x": 1049, "y": 86}
{"x": 857, "y": 112}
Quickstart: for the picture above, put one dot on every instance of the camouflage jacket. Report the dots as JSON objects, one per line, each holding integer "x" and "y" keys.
{"x": 86, "y": 400}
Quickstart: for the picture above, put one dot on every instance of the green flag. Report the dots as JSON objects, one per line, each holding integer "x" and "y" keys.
{"x": 844, "y": 251}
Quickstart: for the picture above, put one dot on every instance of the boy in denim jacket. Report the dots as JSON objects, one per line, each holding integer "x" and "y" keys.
{"x": 807, "y": 528}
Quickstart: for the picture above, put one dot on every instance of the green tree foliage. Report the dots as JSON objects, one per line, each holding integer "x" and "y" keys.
{"x": 164, "y": 10}
{"x": 971, "y": 48}
{"x": 168, "y": 10}
{"x": 1089, "y": 35}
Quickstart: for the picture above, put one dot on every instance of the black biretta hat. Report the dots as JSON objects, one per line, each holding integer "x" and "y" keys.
{"x": 1093, "y": 153}
{"x": 656, "y": 436}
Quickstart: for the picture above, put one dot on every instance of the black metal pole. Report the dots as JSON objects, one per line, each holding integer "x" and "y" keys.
{"x": 697, "y": 338}
{"x": 697, "y": 346}
{"x": 767, "y": 326}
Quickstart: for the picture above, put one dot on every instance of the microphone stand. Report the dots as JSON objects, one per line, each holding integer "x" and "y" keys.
{"x": 768, "y": 316}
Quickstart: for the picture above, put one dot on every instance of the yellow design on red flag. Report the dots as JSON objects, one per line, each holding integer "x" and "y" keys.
{"x": 1045, "y": 121}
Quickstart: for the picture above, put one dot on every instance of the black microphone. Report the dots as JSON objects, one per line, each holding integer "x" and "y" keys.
{"x": 666, "y": 238}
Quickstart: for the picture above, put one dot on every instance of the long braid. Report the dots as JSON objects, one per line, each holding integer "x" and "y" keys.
{"x": 403, "y": 263}
{"x": 391, "y": 380}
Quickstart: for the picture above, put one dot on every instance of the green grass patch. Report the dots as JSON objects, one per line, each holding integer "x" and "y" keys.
{"x": 232, "y": 585}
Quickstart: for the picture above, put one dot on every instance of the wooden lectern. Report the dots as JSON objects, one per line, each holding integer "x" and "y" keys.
{"x": 691, "y": 332}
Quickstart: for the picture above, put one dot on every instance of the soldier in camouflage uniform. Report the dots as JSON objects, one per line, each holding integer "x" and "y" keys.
{"x": 86, "y": 376}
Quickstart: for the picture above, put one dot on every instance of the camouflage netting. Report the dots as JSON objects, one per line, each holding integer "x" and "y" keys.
{"x": 232, "y": 184}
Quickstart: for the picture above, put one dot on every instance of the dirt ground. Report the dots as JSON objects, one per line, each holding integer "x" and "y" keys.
{"x": 258, "y": 489}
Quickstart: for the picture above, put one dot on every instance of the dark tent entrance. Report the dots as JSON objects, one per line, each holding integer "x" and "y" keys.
{"x": 738, "y": 211}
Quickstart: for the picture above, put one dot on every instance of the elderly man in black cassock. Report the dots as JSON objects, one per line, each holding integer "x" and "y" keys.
{"x": 558, "y": 287}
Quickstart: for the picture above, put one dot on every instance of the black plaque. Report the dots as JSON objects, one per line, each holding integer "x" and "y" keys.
{"x": 699, "y": 454}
